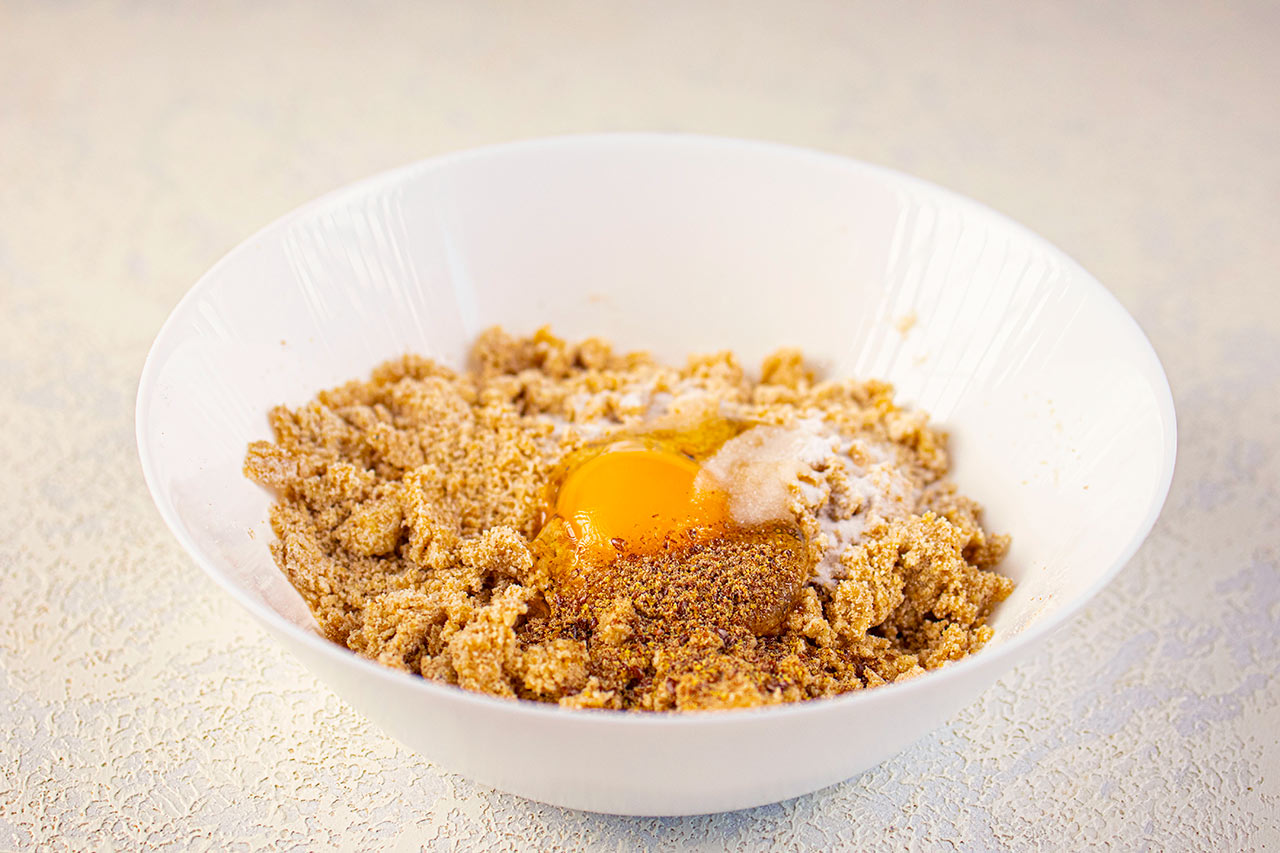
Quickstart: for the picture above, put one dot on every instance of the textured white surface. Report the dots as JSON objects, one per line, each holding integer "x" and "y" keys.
{"x": 137, "y": 143}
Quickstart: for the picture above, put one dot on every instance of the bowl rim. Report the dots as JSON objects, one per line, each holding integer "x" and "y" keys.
{"x": 986, "y": 658}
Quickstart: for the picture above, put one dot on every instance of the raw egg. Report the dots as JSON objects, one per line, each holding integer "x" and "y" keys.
{"x": 632, "y": 498}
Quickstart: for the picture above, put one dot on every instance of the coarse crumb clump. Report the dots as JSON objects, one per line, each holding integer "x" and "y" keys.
{"x": 409, "y": 507}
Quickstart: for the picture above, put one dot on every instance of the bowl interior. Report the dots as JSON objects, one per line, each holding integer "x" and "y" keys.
{"x": 1060, "y": 415}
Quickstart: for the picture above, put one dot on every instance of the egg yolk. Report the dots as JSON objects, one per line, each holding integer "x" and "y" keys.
{"x": 632, "y": 498}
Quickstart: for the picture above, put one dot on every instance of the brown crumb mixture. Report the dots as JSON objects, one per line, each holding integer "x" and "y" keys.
{"x": 409, "y": 506}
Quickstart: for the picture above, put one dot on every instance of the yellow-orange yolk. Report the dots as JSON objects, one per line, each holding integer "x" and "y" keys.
{"x": 632, "y": 498}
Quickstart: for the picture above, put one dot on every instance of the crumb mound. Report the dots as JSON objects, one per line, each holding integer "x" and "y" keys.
{"x": 408, "y": 509}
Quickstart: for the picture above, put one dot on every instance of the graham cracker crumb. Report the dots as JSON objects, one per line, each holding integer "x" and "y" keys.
{"x": 409, "y": 509}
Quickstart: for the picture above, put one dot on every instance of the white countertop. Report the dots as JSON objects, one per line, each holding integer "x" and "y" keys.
{"x": 138, "y": 142}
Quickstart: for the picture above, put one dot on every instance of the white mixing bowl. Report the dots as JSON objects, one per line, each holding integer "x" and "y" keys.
{"x": 1061, "y": 419}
